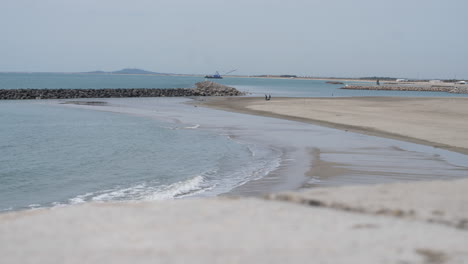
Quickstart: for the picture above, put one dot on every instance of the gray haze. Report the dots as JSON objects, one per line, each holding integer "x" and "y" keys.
{"x": 400, "y": 38}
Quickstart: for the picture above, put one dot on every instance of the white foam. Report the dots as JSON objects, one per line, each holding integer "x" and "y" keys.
{"x": 6, "y": 209}
{"x": 192, "y": 127}
{"x": 79, "y": 198}
{"x": 179, "y": 189}
{"x": 143, "y": 191}
{"x": 58, "y": 204}
{"x": 187, "y": 127}
{"x": 134, "y": 192}
{"x": 314, "y": 181}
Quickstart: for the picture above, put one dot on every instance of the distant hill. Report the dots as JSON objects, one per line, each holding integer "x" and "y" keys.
{"x": 97, "y": 72}
{"x": 126, "y": 71}
{"x": 133, "y": 71}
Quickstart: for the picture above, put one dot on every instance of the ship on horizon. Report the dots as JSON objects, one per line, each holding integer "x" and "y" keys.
{"x": 214, "y": 76}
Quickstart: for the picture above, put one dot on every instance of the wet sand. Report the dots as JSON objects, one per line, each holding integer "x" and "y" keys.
{"x": 310, "y": 155}
{"x": 438, "y": 122}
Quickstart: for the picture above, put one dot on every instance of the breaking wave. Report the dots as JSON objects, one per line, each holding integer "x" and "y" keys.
{"x": 144, "y": 191}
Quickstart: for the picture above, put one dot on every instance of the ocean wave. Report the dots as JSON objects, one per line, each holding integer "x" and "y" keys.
{"x": 186, "y": 127}
{"x": 251, "y": 150}
{"x": 262, "y": 168}
{"x": 192, "y": 127}
{"x": 144, "y": 191}
{"x": 219, "y": 179}
{"x": 79, "y": 198}
{"x": 130, "y": 193}
{"x": 314, "y": 181}
{"x": 266, "y": 160}
{"x": 6, "y": 209}
{"x": 180, "y": 189}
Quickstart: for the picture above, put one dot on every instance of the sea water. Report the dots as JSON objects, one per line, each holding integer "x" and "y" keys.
{"x": 54, "y": 155}
{"x": 254, "y": 86}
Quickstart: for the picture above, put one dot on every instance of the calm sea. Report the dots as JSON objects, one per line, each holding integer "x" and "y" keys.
{"x": 53, "y": 155}
{"x": 256, "y": 86}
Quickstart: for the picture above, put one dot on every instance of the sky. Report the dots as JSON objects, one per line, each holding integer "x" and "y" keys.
{"x": 340, "y": 38}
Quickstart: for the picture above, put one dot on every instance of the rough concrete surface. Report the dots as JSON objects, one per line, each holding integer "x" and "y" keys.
{"x": 247, "y": 230}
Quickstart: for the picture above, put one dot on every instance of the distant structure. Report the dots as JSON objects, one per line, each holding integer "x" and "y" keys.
{"x": 214, "y": 76}
{"x": 217, "y": 75}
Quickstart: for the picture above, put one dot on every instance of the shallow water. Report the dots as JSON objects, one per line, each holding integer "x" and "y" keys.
{"x": 54, "y": 154}
{"x": 358, "y": 158}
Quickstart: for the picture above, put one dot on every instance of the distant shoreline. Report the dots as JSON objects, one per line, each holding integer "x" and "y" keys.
{"x": 349, "y": 79}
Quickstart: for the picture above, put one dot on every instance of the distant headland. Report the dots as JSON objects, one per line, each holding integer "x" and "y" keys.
{"x": 127, "y": 71}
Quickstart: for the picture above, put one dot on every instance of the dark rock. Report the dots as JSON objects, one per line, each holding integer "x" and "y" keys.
{"x": 208, "y": 88}
{"x": 203, "y": 89}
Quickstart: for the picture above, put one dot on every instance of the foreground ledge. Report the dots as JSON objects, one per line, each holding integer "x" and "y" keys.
{"x": 250, "y": 230}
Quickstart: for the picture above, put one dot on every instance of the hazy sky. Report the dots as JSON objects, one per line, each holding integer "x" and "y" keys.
{"x": 400, "y": 38}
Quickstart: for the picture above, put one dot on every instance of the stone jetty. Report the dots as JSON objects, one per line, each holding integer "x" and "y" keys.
{"x": 421, "y": 88}
{"x": 208, "y": 88}
{"x": 333, "y": 82}
{"x": 202, "y": 89}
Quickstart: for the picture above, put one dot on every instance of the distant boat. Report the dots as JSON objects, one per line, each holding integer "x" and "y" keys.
{"x": 214, "y": 76}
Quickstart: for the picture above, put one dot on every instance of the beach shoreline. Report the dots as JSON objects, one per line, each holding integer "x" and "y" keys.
{"x": 391, "y": 223}
{"x": 310, "y": 155}
{"x": 306, "y": 109}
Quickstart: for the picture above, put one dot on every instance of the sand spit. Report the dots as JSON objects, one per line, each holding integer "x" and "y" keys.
{"x": 395, "y": 223}
{"x": 427, "y": 88}
{"x": 438, "y": 122}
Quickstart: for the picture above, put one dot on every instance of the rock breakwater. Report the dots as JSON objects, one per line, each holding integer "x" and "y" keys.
{"x": 202, "y": 89}
{"x": 447, "y": 89}
{"x": 208, "y": 88}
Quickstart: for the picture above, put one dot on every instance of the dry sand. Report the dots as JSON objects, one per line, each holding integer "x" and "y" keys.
{"x": 439, "y": 122}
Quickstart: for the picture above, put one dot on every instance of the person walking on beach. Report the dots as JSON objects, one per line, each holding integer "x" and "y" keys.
{"x": 378, "y": 82}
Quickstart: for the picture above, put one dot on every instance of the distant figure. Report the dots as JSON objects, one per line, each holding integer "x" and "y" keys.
{"x": 378, "y": 82}
{"x": 269, "y": 97}
{"x": 266, "y": 97}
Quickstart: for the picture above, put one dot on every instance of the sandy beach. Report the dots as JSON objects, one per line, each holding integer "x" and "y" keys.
{"x": 438, "y": 122}
{"x": 417, "y": 222}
